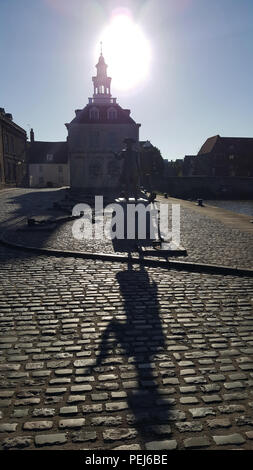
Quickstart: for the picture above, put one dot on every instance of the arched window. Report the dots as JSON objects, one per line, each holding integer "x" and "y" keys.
{"x": 94, "y": 114}
{"x": 112, "y": 114}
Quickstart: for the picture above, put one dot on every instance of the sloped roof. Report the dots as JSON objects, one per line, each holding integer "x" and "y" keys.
{"x": 38, "y": 152}
{"x": 207, "y": 147}
{"x": 11, "y": 123}
{"x": 239, "y": 145}
{"x": 83, "y": 117}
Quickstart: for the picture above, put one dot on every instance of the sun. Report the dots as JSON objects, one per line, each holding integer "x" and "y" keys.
{"x": 126, "y": 51}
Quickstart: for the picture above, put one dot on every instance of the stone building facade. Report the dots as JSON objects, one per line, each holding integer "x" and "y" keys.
{"x": 94, "y": 136}
{"x": 13, "y": 155}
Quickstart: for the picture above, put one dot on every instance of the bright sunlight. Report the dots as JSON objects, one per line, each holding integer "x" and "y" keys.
{"x": 126, "y": 51}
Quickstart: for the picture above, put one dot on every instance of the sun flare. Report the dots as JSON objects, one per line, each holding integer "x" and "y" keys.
{"x": 126, "y": 51}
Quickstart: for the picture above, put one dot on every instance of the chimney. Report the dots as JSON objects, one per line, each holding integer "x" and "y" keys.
{"x": 8, "y": 116}
{"x": 31, "y": 136}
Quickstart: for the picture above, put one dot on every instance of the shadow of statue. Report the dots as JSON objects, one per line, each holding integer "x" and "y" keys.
{"x": 140, "y": 339}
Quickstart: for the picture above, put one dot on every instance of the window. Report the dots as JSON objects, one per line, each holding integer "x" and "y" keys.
{"x": 111, "y": 139}
{"x": 112, "y": 114}
{"x": 9, "y": 174}
{"x": 60, "y": 169}
{"x": 6, "y": 143}
{"x": 50, "y": 157}
{"x": 40, "y": 168}
{"x": 94, "y": 139}
{"x": 94, "y": 114}
{"x": 12, "y": 144}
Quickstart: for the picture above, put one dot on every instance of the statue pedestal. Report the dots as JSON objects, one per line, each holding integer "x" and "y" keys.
{"x": 137, "y": 219}
{"x": 141, "y": 223}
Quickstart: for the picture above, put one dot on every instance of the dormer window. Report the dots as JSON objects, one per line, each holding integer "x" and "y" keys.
{"x": 94, "y": 114}
{"x": 111, "y": 114}
{"x": 50, "y": 157}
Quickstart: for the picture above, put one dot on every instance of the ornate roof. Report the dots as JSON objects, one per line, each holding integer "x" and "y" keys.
{"x": 83, "y": 116}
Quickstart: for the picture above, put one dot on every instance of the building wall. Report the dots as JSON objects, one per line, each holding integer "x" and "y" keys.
{"x": 206, "y": 187}
{"x": 226, "y": 159}
{"x": 221, "y": 165}
{"x": 43, "y": 174}
{"x": 13, "y": 155}
{"x": 91, "y": 147}
{"x": 2, "y": 179}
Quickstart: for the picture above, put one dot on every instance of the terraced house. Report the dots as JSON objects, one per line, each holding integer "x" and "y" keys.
{"x": 13, "y": 156}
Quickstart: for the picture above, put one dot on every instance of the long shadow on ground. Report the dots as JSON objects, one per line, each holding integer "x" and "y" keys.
{"x": 141, "y": 340}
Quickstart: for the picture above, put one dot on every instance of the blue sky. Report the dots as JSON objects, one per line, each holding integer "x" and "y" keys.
{"x": 201, "y": 76}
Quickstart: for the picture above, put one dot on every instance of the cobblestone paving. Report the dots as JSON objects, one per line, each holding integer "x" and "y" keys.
{"x": 207, "y": 240}
{"x": 100, "y": 356}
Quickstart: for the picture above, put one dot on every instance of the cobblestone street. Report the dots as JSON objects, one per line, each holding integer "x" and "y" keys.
{"x": 206, "y": 239}
{"x": 104, "y": 355}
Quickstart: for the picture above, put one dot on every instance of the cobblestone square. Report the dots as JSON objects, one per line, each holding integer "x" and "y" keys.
{"x": 105, "y": 355}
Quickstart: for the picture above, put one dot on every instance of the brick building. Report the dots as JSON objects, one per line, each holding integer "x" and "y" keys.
{"x": 13, "y": 155}
{"x": 222, "y": 156}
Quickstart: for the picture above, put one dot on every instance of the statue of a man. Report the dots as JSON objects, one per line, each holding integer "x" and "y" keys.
{"x": 130, "y": 176}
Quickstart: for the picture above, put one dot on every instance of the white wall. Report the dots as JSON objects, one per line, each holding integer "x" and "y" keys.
{"x": 42, "y": 173}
